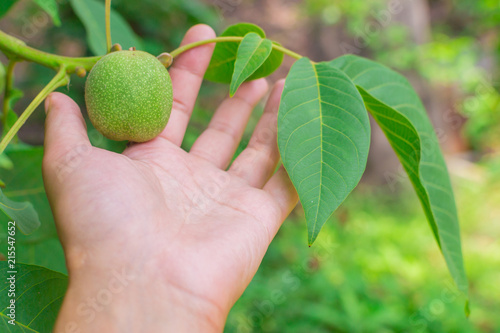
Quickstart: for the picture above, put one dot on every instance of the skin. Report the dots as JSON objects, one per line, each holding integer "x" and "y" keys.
{"x": 158, "y": 239}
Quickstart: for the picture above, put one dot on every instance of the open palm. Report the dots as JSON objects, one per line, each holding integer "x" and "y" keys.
{"x": 189, "y": 232}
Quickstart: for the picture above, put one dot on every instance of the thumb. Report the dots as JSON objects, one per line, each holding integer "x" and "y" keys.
{"x": 66, "y": 142}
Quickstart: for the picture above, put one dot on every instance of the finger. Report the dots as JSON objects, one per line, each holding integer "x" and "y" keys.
{"x": 65, "y": 127}
{"x": 187, "y": 74}
{"x": 66, "y": 139}
{"x": 220, "y": 140}
{"x": 281, "y": 189}
{"x": 258, "y": 161}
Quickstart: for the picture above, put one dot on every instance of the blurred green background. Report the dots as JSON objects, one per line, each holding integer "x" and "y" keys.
{"x": 376, "y": 266}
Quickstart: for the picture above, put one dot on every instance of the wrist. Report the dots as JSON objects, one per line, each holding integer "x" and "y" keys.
{"x": 124, "y": 300}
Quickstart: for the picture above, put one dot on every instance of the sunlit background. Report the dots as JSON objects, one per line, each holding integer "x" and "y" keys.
{"x": 376, "y": 266}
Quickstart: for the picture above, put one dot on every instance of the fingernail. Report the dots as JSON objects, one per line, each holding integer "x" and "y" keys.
{"x": 47, "y": 104}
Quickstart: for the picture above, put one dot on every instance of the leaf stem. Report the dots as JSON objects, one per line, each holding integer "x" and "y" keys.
{"x": 9, "y": 82}
{"x": 59, "y": 80}
{"x": 108, "y": 25}
{"x": 12, "y": 46}
{"x": 287, "y": 51}
{"x": 184, "y": 48}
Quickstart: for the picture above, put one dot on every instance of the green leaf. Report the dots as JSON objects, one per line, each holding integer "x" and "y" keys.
{"x": 5, "y": 162}
{"x": 11, "y": 119}
{"x": 399, "y": 112}
{"x": 25, "y": 183}
{"x": 5, "y": 5}
{"x": 221, "y": 65}
{"x": 252, "y": 53}
{"x": 200, "y": 11}
{"x": 15, "y": 95}
{"x": 323, "y": 138}
{"x": 39, "y": 294}
{"x": 50, "y": 6}
{"x": 2, "y": 78}
{"x": 91, "y": 13}
{"x": 22, "y": 213}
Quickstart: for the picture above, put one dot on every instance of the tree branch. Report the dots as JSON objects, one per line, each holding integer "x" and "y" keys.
{"x": 12, "y": 46}
{"x": 59, "y": 80}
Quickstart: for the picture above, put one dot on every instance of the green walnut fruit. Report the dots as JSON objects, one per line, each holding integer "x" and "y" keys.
{"x": 129, "y": 96}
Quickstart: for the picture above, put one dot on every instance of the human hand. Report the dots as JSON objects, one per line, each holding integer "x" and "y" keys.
{"x": 157, "y": 239}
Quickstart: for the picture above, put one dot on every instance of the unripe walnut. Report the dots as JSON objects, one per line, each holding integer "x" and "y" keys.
{"x": 129, "y": 96}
